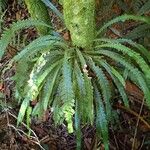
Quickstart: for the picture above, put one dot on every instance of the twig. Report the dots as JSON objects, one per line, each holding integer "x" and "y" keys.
{"x": 135, "y": 114}
{"x": 137, "y": 123}
{"x": 19, "y": 130}
{"x": 35, "y": 137}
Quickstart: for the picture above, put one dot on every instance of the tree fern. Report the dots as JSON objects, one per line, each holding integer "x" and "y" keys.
{"x": 75, "y": 78}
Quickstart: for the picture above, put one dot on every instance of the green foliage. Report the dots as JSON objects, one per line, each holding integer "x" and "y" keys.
{"x": 77, "y": 83}
{"x": 3, "y": 5}
{"x": 138, "y": 7}
{"x": 8, "y": 34}
{"x": 53, "y": 8}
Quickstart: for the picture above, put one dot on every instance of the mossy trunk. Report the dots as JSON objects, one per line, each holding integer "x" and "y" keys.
{"x": 38, "y": 10}
{"x": 79, "y": 16}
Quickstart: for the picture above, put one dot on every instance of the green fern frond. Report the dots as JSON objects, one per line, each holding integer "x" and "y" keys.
{"x": 118, "y": 81}
{"x": 21, "y": 76}
{"x": 23, "y": 108}
{"x": 89, "y": 98}
{"x": 53, "y": 8}
{"x": 57, "y": 109}
{"x": 140, "y": 48}
{"x": 3, "y": 5}
{"x": 101, "y": 119}
{"x": 140, "y": 7}
{"x": 28, "y": 118}
{"x": 145, "y": 8}
{"x": 41, "y": 44}
{"x": 138, "y": 32}
{"x": 47, "y": 91}
{"x": 138, "y": 59}
{"x": 123, "y": 5}
{"x": 9, "y": 33}
{"x": 104, "y": 85}
{"x": 81, "y": 58}
{"x": 78, "y": 126}
{"x": 138, "y": 75}
{"x": 38, "y": 109}
{"x": 67, "y": 93}
{"x": 81, "y": 93}
{"x": 89, "y": 89}
{"x": 124, "y": 18}
{"x": 37, "y": 76}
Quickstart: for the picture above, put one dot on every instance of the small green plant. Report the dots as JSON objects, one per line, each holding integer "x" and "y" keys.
{"x": 73, "y": 77}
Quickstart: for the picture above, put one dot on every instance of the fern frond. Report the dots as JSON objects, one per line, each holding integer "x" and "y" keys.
{"x": 28, "y": 118}
{"x": 104, "y": 85}
{"x": 38, "y": 109}
{"x": 53, "y": 8}
{"x": 37, "y": 76}
{"x": 79, "y": 105}
{"x": 58, "y": 114}
{"x": 46, "y": 95}
{"x": 89, "y": 89}
{"x": 136, "y": 56}
{"x": 42, "y": 44}
{"x": 23, "y": 69}
{"x": 123, "y": 5}
{"x": 140, "y": 48}
{"x": 9, "y": 33}
{"x": 67, "y": 93}
{"x": 138, "y": 75}
{"x": 124, "y": 18}
{"x": 118, "y": 81}
{"x": 89, "y": 99}
{"x": 138, "y": 32}
{"x": 78, "y": 127}
{"x": 81, "y": 92}
{"x": 81, "y": 58}
{"x": 101, "y": 119}
{"x": 140, "y": 7}
{"x": 136, "y": 46}
{"x": 145, "y": 8}
{"x": 23, "y": 108}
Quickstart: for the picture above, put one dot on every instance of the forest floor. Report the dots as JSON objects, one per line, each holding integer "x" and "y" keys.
{"x": 132, "y": 131}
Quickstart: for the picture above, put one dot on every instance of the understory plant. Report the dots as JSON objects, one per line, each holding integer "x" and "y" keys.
{"x": 77, "y": 78}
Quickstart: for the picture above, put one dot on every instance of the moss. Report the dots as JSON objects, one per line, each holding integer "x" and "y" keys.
{"x": 79, "y": 18}
{"x": 38, "y": 10}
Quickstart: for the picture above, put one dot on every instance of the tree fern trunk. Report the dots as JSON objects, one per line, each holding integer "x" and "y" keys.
{"x": 79, "y": 16}
{"x": 38, "y": 10}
